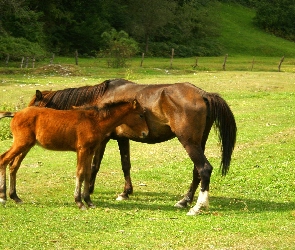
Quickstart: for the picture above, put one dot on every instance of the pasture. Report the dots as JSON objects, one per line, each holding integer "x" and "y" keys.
{"x": 253, "y": 207}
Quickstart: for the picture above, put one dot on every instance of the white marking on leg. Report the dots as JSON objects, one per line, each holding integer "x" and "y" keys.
{"x": 202, "y": 202}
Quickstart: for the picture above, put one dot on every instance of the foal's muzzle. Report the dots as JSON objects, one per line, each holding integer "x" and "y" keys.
{"x": 144, "y": 134}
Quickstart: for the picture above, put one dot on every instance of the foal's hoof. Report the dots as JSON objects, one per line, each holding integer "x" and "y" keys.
{"x": 122, "y": 197}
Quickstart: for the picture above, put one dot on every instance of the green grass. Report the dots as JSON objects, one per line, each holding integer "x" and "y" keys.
{"x": 239, "y": 35}
{"x": 251, "y": 208}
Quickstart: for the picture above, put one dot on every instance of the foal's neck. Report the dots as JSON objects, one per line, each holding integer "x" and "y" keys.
{"x": 115, "y": 118}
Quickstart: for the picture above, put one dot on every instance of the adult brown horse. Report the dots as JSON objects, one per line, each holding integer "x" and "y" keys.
{"x": 81, "y": 130}
{"x": 182, "y": 110}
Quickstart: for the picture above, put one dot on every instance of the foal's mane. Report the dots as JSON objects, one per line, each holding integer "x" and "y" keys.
{"x": 104, "y": 111}
{"x": 67, "y": 98}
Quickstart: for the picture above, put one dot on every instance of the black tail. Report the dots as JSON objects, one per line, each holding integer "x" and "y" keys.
{"x": 222, "y": 116}
{"x": 6, "y": 114}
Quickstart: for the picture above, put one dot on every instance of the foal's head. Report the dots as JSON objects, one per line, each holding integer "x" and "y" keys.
{"x": 133, "y": 123}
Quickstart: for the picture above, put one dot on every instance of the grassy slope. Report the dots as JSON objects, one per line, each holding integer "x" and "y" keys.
{"x": 239, "y": 36}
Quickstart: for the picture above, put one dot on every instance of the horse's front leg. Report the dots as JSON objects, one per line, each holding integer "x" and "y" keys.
{"x": 98, "y": 155}
{"x": 124, "y": 147}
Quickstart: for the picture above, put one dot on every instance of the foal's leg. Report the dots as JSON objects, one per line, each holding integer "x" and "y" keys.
{"x": 86, "y": 193}
{"x": 3, "y": 165}
{"x": 96, "y": 163}
{"x": 83, "y": 175}
{"x": 14, "y": 166}
{"x": 124, "y": 147}
{"x": 6, "y": 158}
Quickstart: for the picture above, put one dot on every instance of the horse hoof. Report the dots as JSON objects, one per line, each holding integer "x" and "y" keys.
{"x": 2, "y": 201}
{"x": 122, "y": 198}
{"x": 192, "y": 212}
{"x": 91, "y": 206}
{"x": 18, "y": 201}
{"x": 181, "y": 204}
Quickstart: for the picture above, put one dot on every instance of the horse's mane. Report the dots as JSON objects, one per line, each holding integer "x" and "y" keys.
{"x": 67, "y": 98}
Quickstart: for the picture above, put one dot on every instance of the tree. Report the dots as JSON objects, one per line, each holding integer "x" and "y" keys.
{"x": 277, "y": 17}
{"x": 149, "y": 16}
{"x": 20, "y": 29}
{"x": 118, "y": 47}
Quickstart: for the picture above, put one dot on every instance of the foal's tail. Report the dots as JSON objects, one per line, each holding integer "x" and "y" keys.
{"x": 221, "y": 114}
{"x": 6, "y": 114}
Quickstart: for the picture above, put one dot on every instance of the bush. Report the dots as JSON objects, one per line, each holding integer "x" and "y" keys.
{"x": 118, "y": 47}
{"x": 19, "y": 47}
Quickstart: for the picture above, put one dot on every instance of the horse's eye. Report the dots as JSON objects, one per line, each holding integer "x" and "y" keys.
{"x": 141, "y": 116}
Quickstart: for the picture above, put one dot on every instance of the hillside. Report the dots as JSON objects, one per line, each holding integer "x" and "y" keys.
{"x": 239, "y": 36}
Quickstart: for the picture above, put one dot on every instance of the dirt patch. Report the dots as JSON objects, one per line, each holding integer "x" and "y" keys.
{"x": 58, "y": 69}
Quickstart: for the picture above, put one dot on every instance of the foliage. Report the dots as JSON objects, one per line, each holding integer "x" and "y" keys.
{"x": 277, "y": 17}
{"x": 17, "y": 48}
{"x": 118, "y": 47}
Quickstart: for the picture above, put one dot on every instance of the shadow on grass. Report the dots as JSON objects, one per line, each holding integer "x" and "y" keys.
{"x": 166, "y": 201}
{"x": 155, "y": 201}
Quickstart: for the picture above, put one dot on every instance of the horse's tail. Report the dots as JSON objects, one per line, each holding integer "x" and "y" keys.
{"x": 221, "y": 115}
{"x": 6, "y": 114}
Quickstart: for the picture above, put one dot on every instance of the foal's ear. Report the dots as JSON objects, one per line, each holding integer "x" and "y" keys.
{"x": 39, "y": 95}
{"x": 134, "y": 104}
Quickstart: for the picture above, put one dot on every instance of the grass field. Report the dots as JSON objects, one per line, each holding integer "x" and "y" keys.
{"x": 253, "y": 207}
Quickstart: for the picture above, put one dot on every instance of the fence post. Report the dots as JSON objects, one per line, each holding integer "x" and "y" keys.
{"x": 142, "y": 58}
{"x": 280, "y": 64}
{"x": 252, "y": 64}
{"x": 76, "y": 57}
{"x": 22, "y": 62}
{"x": 196, "y": 64}
{"x": 27, "y": 61}
{"x": 224, "y": 62}
{"x": 7, "y": 59}
{"x": 172, "y": 55}
{"x": 33, "y": 63}
{"x": 51, "y": 59}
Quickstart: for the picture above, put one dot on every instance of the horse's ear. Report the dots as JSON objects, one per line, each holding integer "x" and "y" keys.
{"x": 39, "y": 95}
{"x": 134, "y": 103}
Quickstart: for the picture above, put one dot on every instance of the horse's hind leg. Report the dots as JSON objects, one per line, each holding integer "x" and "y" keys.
{"x": 201, "y": 173}
{"x": 203, "y": 198}
{"x": 14, "y": 166}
